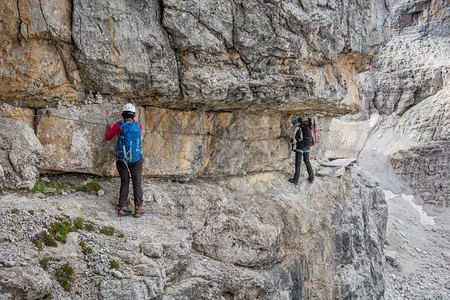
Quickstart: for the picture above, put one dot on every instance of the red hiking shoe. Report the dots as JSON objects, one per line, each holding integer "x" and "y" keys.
{"x": 292, "y": 181}
{"x": 138, "y": 212}
{"x": 123, "y": 212}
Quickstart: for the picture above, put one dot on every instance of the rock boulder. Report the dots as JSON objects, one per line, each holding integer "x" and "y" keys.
{"x": 20, "y": 155}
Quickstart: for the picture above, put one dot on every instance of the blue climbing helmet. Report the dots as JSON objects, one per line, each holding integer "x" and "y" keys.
{"x": 295, "y": 120}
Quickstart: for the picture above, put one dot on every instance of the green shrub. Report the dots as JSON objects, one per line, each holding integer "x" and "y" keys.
{"x": 44, "y": 263}
{"x": 15, "y": 210}
{"x": 64, "y": 275}
{"x": 82, "y": 244}
{"x": 49, "y": 240}
{"x": 61, "y": 230}
{"x": 39, "y": 186}
{"x": 89, "y": 227}
{"x": 87, "y": 250}
{"x": 39, "y": 244}
{"x": 78, "y": 223}
{"x": 107, "y": 230}
{"x": 31, "y": 212}
{"x": 114, "y": 264}
{"x": 91, "y": 187}
{"x": 121, "y": 235}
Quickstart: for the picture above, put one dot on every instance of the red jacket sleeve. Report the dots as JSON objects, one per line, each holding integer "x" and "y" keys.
{"x": 115, "y": 130}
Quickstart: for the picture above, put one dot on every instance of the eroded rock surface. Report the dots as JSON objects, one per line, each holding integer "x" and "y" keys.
{"x": 409, "y": 84}
{"x": 175, "y": 143}
{"x": 20, "y": 155}
{"x": 209, "y": 53}
{"x": 252, "y": 237}
{"x": 414, "y": 63}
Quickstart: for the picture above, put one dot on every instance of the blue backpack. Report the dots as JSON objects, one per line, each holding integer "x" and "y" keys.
{"x": 129, "y": 142}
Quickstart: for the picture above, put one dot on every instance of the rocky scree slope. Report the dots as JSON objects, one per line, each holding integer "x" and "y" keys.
{"x": 252, "y": 237}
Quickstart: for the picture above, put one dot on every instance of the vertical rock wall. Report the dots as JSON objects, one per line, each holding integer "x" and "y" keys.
{"x": 409, "y": 84}
{"x": 216, "y": 54}
{"x": 176, "y": 143}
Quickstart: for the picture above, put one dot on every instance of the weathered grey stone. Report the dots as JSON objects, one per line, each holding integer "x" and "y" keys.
{"x": 121, "y": 48}
{"x": 413, "y": 65}
{"x": 129, "y": 289}
{"x": 36, "y": 61}
{"x": 23, "y": 114}
{"x": 391, "y": 257}
{"x": 273, "y": 240}
{"x": 410, "y": 82}
{"x": 20, "y": 155}
{"x": 241, "y": 239}
{"x": 152, "y": 250}
{"x": 425, "y": 168}
{"x": 76, "y": 144}
{"x": 29, "y": 282}
{"x": 272, "y": 51}
{"x": 277, "y": 55}
{"x": 414, "y": 146}
{"x": 69, "y": 252}
{"x": 315, "y": 243}
{"x": 175, "y": 143}
{"x": 418, "y": 18}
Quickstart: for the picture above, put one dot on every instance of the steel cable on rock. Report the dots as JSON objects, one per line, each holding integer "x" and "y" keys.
{"x": 144, "y": 130}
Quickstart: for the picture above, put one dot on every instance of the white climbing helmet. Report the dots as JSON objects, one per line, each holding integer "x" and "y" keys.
{"x": 129, "y": 107}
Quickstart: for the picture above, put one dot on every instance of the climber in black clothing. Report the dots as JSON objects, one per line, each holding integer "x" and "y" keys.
{"x": 302, "y": 140}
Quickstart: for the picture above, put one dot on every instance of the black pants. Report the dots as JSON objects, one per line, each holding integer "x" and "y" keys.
{"x": 298, "y": 162}
{"x": 136, "y": 176}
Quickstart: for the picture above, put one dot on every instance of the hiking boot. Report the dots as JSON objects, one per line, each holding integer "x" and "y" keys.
{"x": 312, "y": 181}
{"x": 292, "y": 181}
{"x": 124, "y": 212}
{"x": 138, "y": 212}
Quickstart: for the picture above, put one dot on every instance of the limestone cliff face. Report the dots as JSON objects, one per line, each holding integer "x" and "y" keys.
{"x": 217, "y": 54}
{"x": 409, "y": 84}
{"x": 176, "y": 143}
{"x": 80, "y": 59}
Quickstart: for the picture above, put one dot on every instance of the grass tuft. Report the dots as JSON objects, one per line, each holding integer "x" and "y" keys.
{"x": 87, "y": 250}
{"x": 44, "y": 263}
{"x": 39, "y": 186}
{"x": 107, "y": 230}
{"x": 114, "y": 264}
{"x": 91, "y": 187}
{"x": 64, "y": 275}
{"x": 39, "y": 244}
{"x": 78, "y": 223}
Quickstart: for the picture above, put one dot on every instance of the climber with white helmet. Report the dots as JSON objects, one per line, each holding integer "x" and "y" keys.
{"x": 130, "y": 159}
